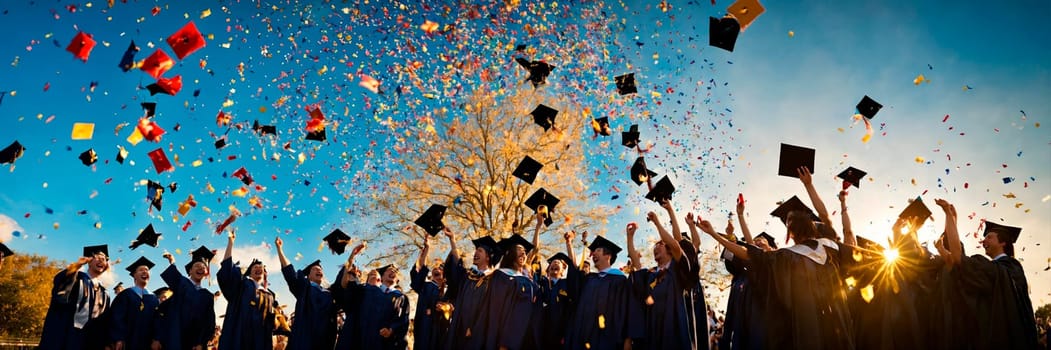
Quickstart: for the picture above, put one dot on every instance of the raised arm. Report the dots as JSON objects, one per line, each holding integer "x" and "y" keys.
{"x": 348, "y": 267}
{"x": 675, "y": 231}
{"x": 76, "y": 265}
{"x": 281, "y": 252}
{"x": 229, "y": 245}
{"x": 452, "y": 242}
{"x": 535, "y": 253}
{"x": 633, "y": 255}
{"x": 742, "y": 222}
{"x": 421, "y": 262}
{"x": 695, "y": 237}
{"x": 733, "y": 247}
{"x": 670, "y": 243}
{"x": 569, "y": 247}
{"x": 819, "y": 205}
{"x": 848, "y": 233}
{"x": 952, "y": 233}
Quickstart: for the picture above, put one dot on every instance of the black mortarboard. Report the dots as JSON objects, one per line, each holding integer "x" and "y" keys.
{"x": 542, "y": 197}
{"x": 161, "y": 290}
{"x": 318, "y": 135}
{"x": 337, "y": 241}
{"x": 11, "y": 153}
{"x": 154, "y": 193}
{"x": 121, "y": 154}
{"x": 127, "y": 61}
{"x": 264, "y": 129}
{"x": 490, "y": 245}
{"x": 538, "y": 70}
{"x": 141, "y": 262}
{"x": 507, "y": 244}
{"x": 91, "y": 250}
{"x": 792, "y": 157}
{"x": 220, "y": 143}
{"x": 560, "y": 256}
{"x": 89, "y": 157}
{"x": 202, "y": 254}
{"x": 544, "y": 116}
{"x": 722, "y": 32}
{"x": 527, "y": 169}
{"x": 602, "y": 242}
{"x": 1006, "y": 234}
{"x": 769, "y": 239}
{"x": 630, "y": 138}
{"x": 868, "y": 107}
{"x": 150, "y": 108}
{"x": 148, "y": 237}
{"x": 918, "y": 209}
{"x": 601, "y": 126}
{"x": 431, "y": 220}
{"x": 639, "y": 172}
{"x": 661, "y": 191}
{"x": 5, "y": 250}
{"x": 852, "y": 176}
{"x": 383, "y": 270}
{"x": 792, "y": 204}
{"x": 315, "y": 263}
{"x": 626, "y": 84}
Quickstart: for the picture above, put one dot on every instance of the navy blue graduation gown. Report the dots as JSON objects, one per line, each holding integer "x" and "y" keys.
{"x": 1004, "y": 314}
{"x": 556, "y": 310}
{"x": 187, "y": 318}
{"x": 59, "y": 331}
{"x": 512, "y": 312}
{"x": 744, "y": 327}
{"x": 377, "y": 310}
{"x": 430, "y": 324}
{"x": 606, "y": 311}
{"x": 349, "y": 300}
{"x": 314, "y": 326}
{"x": 466, "y": 289}
{"x": 668, "y": 298}
{"x": 249, "y": 322}
{"x": 132, "y": 319}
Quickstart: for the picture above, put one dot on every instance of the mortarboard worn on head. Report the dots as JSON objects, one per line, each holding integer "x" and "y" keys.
{"x": 792, "y": 204}
{"x": 150, "y": 108}
{"x": 81, "y": 46}
{"x": 185, "y": 41}
{"x": 202, "y": 254}
{"x": 383, "y": 270}
{"x": 154, "y": 193}
{"x": 95, "y": 249}
{"x": 5, "y": 250}
{"x": 722, "y": 32}
{"x": 560, "y": 256}
{"x": 626, "y": 84}
{"x": 89, "y": 157}
{"x": 769, "y": 239}
{"x": 490, "y": 246}
{"x": 141, "y": 262}
{"x": 544, "y": 116}
{"x": 542, "y": 197}
{"x": 431, "y": 220}
{"x": 337, "y": 241}
{"x": 148, "y": 236}
{"x": 916, "y": 208}
{"x": 639, "y": 172}
{"x": 508, "y": 244}
{"x": 538, "y": 70}
{"x": 852, "y": 176}
{"x": 315, "y": 263}
{"x": 792, "y": 157}
{"x": 630, "y": 138}
{"x": 661, "y": 191}
{"x": 601, "y": 126}
{"x": 602, "y": 242}
{"x": 166, "y": 86}
{"x": 12, "y": 152}
{"x": 745, "y": 11}
{"x": 527, "y": 169}
{"x": 160, "y": 160}
{"x": 156, "y": 64}
{"x": 264, "y": 129}
{"x": 868, "y": 107}
{"x": 122, "y": 154}
{"x": 1006, "y": 234}
{"x": 161, "y": 290}
{"x": 127, "y": 62}
{"x": 317, "y": 135}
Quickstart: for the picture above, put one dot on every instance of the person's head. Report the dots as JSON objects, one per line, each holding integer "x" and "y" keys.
{"x": 556, "y": 268}
{"x": 98, "y": 265}
{"x": 994, "y": 245}
{"x": 373, "y": 278}
{"x": 660, "y": 253}
{"x": 602, "y": 257}
{"x": 486, "y": 252}
{"x": 141, "y": 275}
{"x": 388, "y": 275}
{"x": 800, "y": 226}
{"x": 438, "y": 273}
{"x": 197, "y": 270}
{"x": 314, "y": 272}
{"x": 514, "y": 258}
{"x": 256, "y": 271}
{"x": 765, "y": 242}
{"x": 162, "y": 293}
{"x": 482, "y": 256}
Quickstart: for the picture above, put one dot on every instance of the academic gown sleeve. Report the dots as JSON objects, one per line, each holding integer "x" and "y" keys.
{"x": 455, "y": 274}
{"x": 509, "y": 313}
{"x": 122, "y": 311}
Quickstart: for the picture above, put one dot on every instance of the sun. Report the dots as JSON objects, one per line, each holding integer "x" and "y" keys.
{"x": 890, "y": 256}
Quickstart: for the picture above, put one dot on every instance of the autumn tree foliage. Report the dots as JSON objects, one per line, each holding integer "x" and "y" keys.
{"x": 25, "y": 291}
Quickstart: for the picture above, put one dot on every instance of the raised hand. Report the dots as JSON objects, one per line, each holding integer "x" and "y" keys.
{"x": 707, "y": 227}
{"x": 169, "y": 257}
{"x": 842, "y": 197}
{"x": 630, "y": 229}
{"x": 689, "y": 219}
{"x": 730, "y": 227}
{"x": 666, "y": 204}
{"x": 359, "y": 248}
{"x": 804, "y": 176}
{"x": 568, "y": 236}
{"x": 652, "y": 217}
{"x": 426, "y": 242}
{"x": 279, "y": 243}
{"x": 449, "y": 233}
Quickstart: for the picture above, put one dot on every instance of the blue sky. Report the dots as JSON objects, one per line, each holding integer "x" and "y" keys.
{"x": 715, "y": 127}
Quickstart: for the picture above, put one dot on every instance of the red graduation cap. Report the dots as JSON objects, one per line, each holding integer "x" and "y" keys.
{"x": 150, "y": 130}
{"x": 81, "y": 46}
{"x": 158, "y": 63}
{"x": 186, "y": 40}
{"x": 317, "y": 120}
{"x": 160, "y": 160}
{"x": 167, "y": 86}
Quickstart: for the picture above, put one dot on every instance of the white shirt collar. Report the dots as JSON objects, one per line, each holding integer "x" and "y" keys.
{"x": 1000, "y": 256}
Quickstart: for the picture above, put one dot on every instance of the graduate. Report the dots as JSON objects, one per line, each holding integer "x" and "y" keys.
{"x": 349, "y": 336}
{"x": 607, "y": 313}
{"x": 511, "y": 312}
{"x": 133, "y": 309}
{"x": 314, "y": 326}
{"x": 382, "y": 312}
{"x": 467, "y": 288}
{"x": 186, "y": 319}
{"x": 250, "y": 309}
{"x": 1005, "y": 312}
{"x": 75, "y": 317}
{"x": 556, "y": 304}
{"x": 433, "y": 312}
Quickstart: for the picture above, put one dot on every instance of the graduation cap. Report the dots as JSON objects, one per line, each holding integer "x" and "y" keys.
{"x": 148, "y": 236}
{"x": 508, "y": 244}
{"x": 601, "y": 126}
{"x": 315, "y": 263}
{"x": 89, "y": 157}
{"x": 745, "y": 11}
{"x": 81, "y": 46}
{"x": 220, "y": 143}
{"x": 1006, "y": 234}
{"x": 264, "y": 129}
{"x": 792, "y": 204}
{"x": 560, "y": 256}
{"x": 160, "y": 160}
{"x": 150, "y": 108}
{"x": 431, "y": 220}
{"x": 639, "y": 172}
{"x": 538, "y": 70}
{"x": 383, "y": 270}
{"x": 542, "y": 197}
{"x": 527, "y": 169}
{"x": 185, "y": 41}
{"x": 544, "y": 116}
{"x": 90, "y": 251}
{"x": 127, "y": 62}
{"x": 156, "y": 64}
{"x": 630, "y": 138}
{"x": 489, "y": 245}
{"x": 916, "y": 208}
{"x": 868, "y": 107}
{"x": 317, "y": 135}
{"x": 602, "y": 242}
{"x": 722, "y": 32}
{"x": 122, "y": 154}
{"x": 852, "y": 176}
{"x": 242, "y": 174}
{"x": 625, "y": 84}
{"x": 12, "y": 152}
{"x": 792, "y": 157}
{"x": 661, "y": 191}
{"x": 166, "y": 86}
{"x": 202, "y": 254}
{"x": 769, "y": 239}
{"x": 154, "y": 193}
{"x": 161, "y": 290}
{"x": 337, "y": 241}
{"x": 141, "y": 262}
{"x": 5, "y": 250}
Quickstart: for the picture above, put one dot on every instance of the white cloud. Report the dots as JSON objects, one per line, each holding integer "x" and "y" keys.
{"x": 7, "y": 228}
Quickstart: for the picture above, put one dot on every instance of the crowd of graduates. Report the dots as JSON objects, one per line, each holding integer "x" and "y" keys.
{"x": 830, "y": 290}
